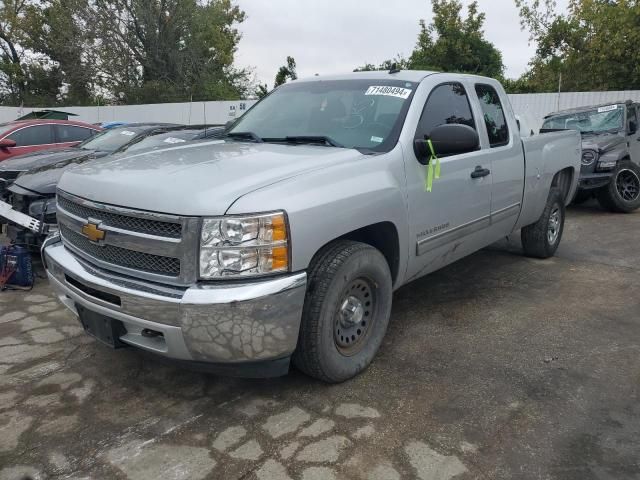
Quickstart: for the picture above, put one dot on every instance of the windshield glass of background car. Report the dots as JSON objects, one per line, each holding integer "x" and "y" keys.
{"x": 365, "y": 114}
{"x": 599, "y": 120}
{"x": 164, "y": 140}
{"x": 110, "y": 140}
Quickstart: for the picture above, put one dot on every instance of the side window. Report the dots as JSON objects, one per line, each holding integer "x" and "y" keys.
{"x": 632, "y": 116}
{"x": 71, "y": 133}
{"x": 494, "y": 117}
{"x": 35, "y": 135}
{"x": 447, "y": 103}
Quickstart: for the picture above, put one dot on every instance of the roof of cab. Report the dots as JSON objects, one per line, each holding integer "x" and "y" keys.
{"x": 588, "y": 108}
{"x": 402, "y": 75}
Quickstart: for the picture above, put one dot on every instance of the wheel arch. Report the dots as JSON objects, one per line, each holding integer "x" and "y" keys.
{"x": 563, "y": 180}
{"x": 382, "y": 236}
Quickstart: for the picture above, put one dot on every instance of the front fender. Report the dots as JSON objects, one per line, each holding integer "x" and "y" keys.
{"x": 324, "y": 205}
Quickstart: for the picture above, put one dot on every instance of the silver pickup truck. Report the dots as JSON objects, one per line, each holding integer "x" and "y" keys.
{"x": 285, "y": 240}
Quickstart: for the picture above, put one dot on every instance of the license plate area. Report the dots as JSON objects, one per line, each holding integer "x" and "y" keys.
{"x": 104, "y": 329}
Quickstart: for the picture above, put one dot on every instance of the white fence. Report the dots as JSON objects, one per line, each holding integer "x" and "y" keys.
{"x": 183, "y": 113}
{"x": 533, "y": 107}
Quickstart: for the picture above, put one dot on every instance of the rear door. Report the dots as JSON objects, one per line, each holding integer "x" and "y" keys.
{"x": 69, "y": 135}
{"x": 451, "y": 220}
{"x": 507, "y": 158}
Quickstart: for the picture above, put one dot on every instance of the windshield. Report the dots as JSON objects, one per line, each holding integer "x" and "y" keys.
{"x": 362, "y": 114}
{"x": 111, "y": 140}
{"x": 164, "y": 140}
{"x": 599, "y": 120}
{"x": 4, "y": 128}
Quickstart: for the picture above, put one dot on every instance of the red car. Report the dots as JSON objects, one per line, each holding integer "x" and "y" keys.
{"x": 26, "y": 136}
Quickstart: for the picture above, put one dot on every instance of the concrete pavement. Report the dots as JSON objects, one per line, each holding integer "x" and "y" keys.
{"x": 497, "y": 367}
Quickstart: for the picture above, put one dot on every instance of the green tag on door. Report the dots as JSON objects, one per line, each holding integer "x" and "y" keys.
{"x": 433, "y": 168}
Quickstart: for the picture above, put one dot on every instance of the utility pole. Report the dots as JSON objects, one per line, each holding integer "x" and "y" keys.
{"x": 559, "y": 89}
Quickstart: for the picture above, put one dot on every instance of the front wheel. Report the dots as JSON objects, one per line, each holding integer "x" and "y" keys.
{"x": 346, "y": 311}
{"x": 541, "y": 239}
{"x": 622, "y": 195}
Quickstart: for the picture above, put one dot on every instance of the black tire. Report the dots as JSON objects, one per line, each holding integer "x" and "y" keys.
{"x": 538, "y": 240}
{"x": 582, "y": 196}
{"x": 622, "y": 195}
{"x": 342, "y": 271}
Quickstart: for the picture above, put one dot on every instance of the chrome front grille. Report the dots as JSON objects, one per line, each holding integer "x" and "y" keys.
{"x": 161, "y": 248}
{"x": 121, "y": 256}
{"x": 126, "y": 222}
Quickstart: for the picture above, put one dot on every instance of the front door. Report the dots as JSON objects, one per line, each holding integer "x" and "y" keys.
{"x": 451, "y": 220}
{"x": 633, "y": 138}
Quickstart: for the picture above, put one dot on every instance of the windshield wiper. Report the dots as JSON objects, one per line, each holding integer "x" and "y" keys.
{"x": 307, "y": 139}
{"x": 245, "y": 136}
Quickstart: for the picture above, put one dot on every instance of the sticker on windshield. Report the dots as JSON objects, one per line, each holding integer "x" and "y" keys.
{"x": 128, "y": 133}
{"x": 398, "y": 92}
{"x": 377, "y": 139}
{"x": 610, "y": 108}
{"x": 174, "y": 140}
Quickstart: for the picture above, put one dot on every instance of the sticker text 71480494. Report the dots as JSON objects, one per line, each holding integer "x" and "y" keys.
{"x": 389, "y": 91}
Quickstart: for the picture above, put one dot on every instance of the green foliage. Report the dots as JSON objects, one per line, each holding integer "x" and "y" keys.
{"x": 593, "y": 46}
{"x": 129, "y": 51}
{"x": 286, "y": 72}
{"x": 399, "y": 62}
{"x": 455, "y": 44}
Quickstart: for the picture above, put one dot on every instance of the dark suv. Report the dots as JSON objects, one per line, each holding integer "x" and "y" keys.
{"x": 610, "y": 152}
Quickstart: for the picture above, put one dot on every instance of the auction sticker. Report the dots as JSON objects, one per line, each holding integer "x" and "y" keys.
{"x": 174, "y": 140}
{"x": 610, "y": 108}
{"x": 128, "y": 133}
{"x": 398, "y": 92}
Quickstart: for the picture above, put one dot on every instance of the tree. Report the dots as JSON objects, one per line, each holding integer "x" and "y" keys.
{"x": 399, "y": 62}
{"x": 451, "y": 43}
{"x": 262, "y": 90}
{"x": 285, "y": 72}
{"x": 169, "y": 50}
{"x": 596, "y": 38}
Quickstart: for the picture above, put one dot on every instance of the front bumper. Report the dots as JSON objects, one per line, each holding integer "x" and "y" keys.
{"x": 228, "y": 325}
{"x": 591, "y": 181}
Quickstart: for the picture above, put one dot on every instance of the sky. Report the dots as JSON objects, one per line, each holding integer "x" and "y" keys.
{"x": 336, "y": 36}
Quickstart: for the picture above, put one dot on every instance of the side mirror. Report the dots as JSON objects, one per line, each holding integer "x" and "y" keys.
{"x": 447, "y": 139}
{"x": 7, "y": 143}
{"x": 633, "y": 127}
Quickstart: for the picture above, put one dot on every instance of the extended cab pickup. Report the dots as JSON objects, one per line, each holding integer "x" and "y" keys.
{"x": 285, "y": 240}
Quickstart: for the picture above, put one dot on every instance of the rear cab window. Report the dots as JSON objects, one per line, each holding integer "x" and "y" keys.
{"x": 494, "y": 117}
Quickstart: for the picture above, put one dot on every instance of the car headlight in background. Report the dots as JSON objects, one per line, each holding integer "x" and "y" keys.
{"x": 244, "y": 246}
{"x": 588, "y": 157}
{"x": 47, "y": 205}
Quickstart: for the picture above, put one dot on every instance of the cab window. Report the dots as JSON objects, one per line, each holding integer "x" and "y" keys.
{"x": 494, "y": 117}
{"x": 448, "y": 103}
{"x": 35, "y": 135}
{"x": 72, "y": 133}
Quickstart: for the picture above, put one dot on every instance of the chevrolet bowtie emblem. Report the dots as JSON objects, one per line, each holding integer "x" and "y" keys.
{"x": 93, "y": 233}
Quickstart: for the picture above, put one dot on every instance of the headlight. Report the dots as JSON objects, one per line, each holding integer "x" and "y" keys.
{"x": 38, "y": 206}
{"x": 246, "y": 246}
{"x": 588, "y": 157}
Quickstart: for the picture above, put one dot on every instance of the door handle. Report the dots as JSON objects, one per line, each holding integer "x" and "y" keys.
{"x": 480, "y": 172}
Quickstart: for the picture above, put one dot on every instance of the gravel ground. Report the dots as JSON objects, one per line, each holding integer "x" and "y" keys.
{"x": 497, "y": 367}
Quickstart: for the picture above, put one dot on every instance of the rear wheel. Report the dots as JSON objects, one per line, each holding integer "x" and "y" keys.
{"x": 622, "y": 195}
{"x": 541, "y": 239}
{"x": 346, "y": 311}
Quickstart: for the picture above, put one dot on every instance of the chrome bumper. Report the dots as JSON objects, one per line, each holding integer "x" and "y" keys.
{"x": 213, "y": 323}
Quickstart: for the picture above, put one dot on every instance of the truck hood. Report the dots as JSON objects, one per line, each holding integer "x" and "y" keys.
{"x": 602, "y": 143}
{"x": 197, "y": 179}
